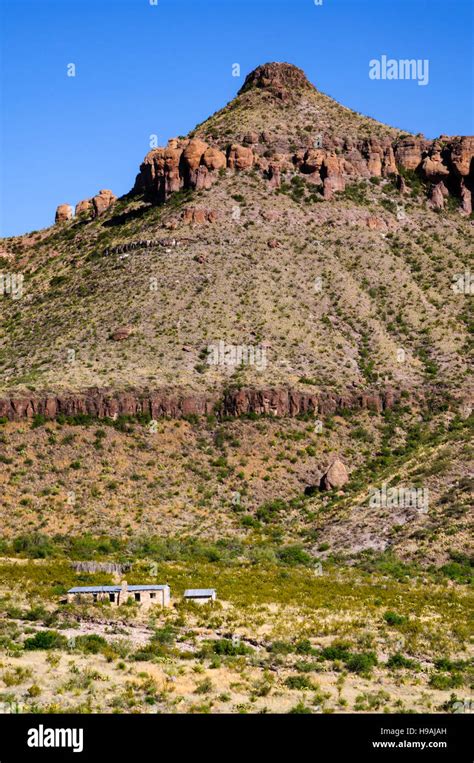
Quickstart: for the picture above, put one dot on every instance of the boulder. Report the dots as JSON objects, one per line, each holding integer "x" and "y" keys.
{"x": 121, "y": 333}
{"x": 214, "y": 159}
{"x": 250, "y": 138}
{"x": 84, "y": 207}
{"x": 433, "y": 168}
{"x": 313, "y": 161}
{"x": 63, "y": 213}
{"x": 102, "y": 201}
{"x": 401, "y": 185}
{"x": 193, "y": 153}
{"x": 239, "y": 157}
{"x": 199, "y": 216}
{"x": 335, "y": 477}
{"x": 376, "y": 223}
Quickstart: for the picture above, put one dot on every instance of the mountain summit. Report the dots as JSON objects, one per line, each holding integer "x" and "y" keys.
{"x": 286, "y": 229}
{"x": 281, "y": 79}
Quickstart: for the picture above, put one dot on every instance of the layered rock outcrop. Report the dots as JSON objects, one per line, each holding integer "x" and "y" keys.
{"x": 164, "y": 403}
{"x": 87, "y": 208}
{"x": 329, "y": 161}
{"x": 181, "y": 165}
{"x": 194, "y": 164}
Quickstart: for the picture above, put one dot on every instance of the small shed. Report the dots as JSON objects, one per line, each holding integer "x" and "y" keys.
{"x": 200, "y": 595}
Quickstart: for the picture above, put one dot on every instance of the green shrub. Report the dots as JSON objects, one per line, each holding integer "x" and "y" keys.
{"x": 391, "y": 618}
{"x": 442, "y": 681}
{"x": 293, "y": 555}
{"x": 34, "y": 545}
{"x": 225, "y": 646}
{"x": 298, "y": 682}
{"x": 337, "y": 651}
{"x": 281, "y": 647}
{"x": 300, "y": 709}
{"x": 249, "y": 521}
{"x": 46, "y": 640}
{"x": 91, "y": 644}
{"x": 304, "y": 647}
{"x": 204, "y": 687}
{"x": 397, "y": 660}
{"x": 270, "y": 510}
{"x": 361, "y": 663}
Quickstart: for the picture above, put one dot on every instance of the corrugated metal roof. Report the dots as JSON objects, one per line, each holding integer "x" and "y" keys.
{"x": 95, "y": 589}
{"x": 199, "y": 592}
{"x": 115, "y": 588}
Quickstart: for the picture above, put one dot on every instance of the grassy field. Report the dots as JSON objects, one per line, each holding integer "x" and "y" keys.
{"x": 285, "y": 637}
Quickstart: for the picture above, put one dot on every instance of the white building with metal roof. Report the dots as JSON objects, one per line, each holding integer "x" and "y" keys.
{"x": 200, "y": 595}
{"x": 145, "y": 595}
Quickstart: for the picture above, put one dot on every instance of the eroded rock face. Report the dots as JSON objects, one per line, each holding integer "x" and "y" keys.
{"x": 84, "y": 208}
{"x": 433, "y": 168}
{"x": 335, "y": 477}
{"x": 102, "y": 201}
{"x": 194, "y": 164}
{"x": 280, "y": 80}
{"x": 462, "y": 155}
{"x": 408, "y": 152}
{"x": 466, "y": 198}
{"x": 182, "y": 164}
{"x": 214, "y": 159}
{"x": 63, "y": 213}
{"x": 239, "y": 157}
{"x": 271, "y": 401}
{"x": 199, "y": 216}
{"x": 437, "y": 195}
{"x": 332, "y": 174}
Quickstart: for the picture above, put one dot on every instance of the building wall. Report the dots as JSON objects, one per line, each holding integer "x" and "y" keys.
{"x": 162, "y": 598}
{"x": 201, "y": 599}
{"x": 146, "y": 600}
{"x": 88, "y": 598}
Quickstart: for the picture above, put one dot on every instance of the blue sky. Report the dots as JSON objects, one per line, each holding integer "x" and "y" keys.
{"x": 146, "y": 69}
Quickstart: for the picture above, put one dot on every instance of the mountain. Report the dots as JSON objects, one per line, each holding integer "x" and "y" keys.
{"x": 329, "y": 259}
{"x": 337, "y": 261}
{"x": 289, "y": 257}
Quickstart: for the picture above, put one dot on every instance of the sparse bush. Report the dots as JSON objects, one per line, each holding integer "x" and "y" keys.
{"x": 298, "y": 682}
{"x": 46, "y": 640}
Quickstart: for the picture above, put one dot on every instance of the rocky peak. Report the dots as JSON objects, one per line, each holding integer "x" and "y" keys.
{"x": 280, "y": 79}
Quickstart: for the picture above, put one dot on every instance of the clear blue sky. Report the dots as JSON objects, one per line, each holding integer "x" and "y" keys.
{"x": 143, "y": 69}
